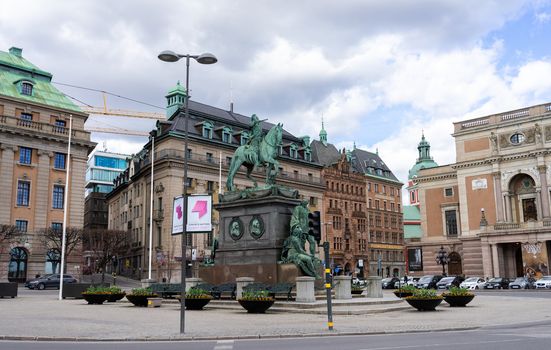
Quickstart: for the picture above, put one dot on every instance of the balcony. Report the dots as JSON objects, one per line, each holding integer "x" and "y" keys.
{"x": 40, "y": 127}
{"x": 158, "y": 215}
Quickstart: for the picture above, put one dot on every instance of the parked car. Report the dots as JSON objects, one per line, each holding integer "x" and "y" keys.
{"x": 450, "y": 281}
{"x": 497, "y": 283}
{"x": 429, "y": 281}
{"x": 411, "y": 281}
{"x": 388, "y": 283}
{"x": 48, "y": 281}
{"x": 473, "y": 283}
{"x": 522, "y": 283}
{"x": 544, "y": 282}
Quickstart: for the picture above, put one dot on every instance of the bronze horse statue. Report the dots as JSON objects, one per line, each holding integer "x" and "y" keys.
{"x": 252, "y": 156}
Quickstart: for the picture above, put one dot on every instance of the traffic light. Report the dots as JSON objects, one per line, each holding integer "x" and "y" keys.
{"x": 314, "y": 225}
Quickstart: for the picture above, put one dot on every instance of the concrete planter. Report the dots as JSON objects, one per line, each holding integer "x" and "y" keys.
{"x": 111, "y": 298}
{"x": 196, "y": 303}
{"x": 139, "y": 300}
{"x": 458, "y": 300}
{"x": 96, "y": 299}
{"x": 424, "y": 304}
{"x": 256, "y": 306}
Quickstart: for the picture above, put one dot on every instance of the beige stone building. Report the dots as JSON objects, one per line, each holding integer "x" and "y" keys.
{"x": 214, "y": 134}
{"x": 34, "y": 130}
{"x": 490, "y": 210}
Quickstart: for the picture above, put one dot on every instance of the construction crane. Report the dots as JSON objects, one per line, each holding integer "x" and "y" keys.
{"x": 116, "y": 131}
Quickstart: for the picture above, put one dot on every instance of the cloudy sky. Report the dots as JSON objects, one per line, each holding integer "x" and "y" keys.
{"x": 378, "y": 71}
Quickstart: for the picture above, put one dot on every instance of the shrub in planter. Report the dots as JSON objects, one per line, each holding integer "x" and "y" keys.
{"x": 256, "y": 302}
{"x": 197, "y": 298}
{"x": 115, "y": 293}
{"x": 138, "y": 296}
{"x": 96, "y": 295}
{"x": 424, "y": 299}
{"x": 458, "y": 296}
{"x": 405, "y": 291}
{"x": 357, "y": 288}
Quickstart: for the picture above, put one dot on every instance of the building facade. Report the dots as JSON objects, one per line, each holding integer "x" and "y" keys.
{"x": 362, "y": 213}
{"x": 213, "y": 135}
{"x": 101, "y": 170}
{"x": 490, "y": 209}
{"x": 34, "y": 130}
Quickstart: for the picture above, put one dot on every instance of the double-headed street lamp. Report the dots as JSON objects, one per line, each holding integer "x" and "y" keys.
{"x": 205, "y": 58}
{"x": 443, "y": 259}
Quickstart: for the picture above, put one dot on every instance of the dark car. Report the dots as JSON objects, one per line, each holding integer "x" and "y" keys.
{"x": 48, "y": 281}
{"x": 450, "y": 281}
{"x": 429, "y": 281}
{"x": 388, "y": 283}
{"x": 497, "y": 283}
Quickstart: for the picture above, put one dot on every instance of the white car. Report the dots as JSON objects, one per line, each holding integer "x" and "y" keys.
{"x": 473, "y": 283}
{"x": 411, "y": 282}
{"x": 544, "y": 282}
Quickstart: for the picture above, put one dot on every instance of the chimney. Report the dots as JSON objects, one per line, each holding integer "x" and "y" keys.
{"x": 16, "y": 51}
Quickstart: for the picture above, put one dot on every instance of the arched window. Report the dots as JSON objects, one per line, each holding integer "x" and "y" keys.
{"x": 53, "y": 261}
{"x": 207, "y": 130}
{"x": 17, "y": 269}
{"x": 226, "y": 135}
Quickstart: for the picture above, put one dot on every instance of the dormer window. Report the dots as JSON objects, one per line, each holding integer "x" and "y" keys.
{"x": 244, "y": 138}
{"x": 226, "y": 135}
{"x": 307, "y": 155}
{"x": 207, "y": 130}
{"x": 293, "y": 151}
{"x": 25, "y": 87}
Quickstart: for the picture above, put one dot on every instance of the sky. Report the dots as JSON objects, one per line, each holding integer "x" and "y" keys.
{"x": 378, "y": 72}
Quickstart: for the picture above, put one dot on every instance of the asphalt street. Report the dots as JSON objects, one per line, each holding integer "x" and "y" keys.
{"x": 526, "y": 336}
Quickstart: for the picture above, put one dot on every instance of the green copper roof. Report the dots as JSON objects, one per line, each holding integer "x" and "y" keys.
{"x": 177, "y": 89}
{"x": 14, "y": 68}
{"x": 412, "y": 231}
{"x": 424, "y": 161}
{"x": 411, "y": 213}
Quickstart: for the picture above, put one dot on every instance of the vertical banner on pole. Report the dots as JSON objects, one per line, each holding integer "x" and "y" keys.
{"x": 199, "y": 213}
{"x": 178, "y": 216}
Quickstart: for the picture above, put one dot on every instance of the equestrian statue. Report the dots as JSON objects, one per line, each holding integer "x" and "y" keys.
{"x": 258, "y": 151}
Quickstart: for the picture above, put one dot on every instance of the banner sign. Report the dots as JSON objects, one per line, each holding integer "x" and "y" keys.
{"x": 199, "y": 213}
{"x": 415, "y": 259}
{"x": 178, "y": 216}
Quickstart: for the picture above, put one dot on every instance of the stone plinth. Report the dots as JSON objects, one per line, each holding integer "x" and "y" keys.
{"x": 374, "y": 287}
{"x": 242, "y": 282}
{"x": 305, "y": 289}
{"x": 252, "y": 232}
{"x": 192, "y": 282}
{"x": 343, "y": 287}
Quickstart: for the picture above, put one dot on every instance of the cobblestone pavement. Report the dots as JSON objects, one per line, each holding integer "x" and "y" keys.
{"x": 42, "y": 316}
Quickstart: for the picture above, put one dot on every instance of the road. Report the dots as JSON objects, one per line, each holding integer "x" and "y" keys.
{"x": 525, "y": 336}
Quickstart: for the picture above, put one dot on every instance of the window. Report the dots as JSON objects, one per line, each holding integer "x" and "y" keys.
{"x": 57, "y": 226}
{"x": 293, "y": 151}
{"x": 57, "y": 202}
{"x": 207, "y": 130}
{"x": 59, "y": 161}
{"x": 369, "y": 187}
{"x": 517, "y": 138}
{"x": 412, "y": 194}
{"x": 23, "y": 189}
{"x": 377, "y": 204}
{"x": 370, "y": 206}
{"x": 330, "y": 203}
{"x": 313, "y": 201}
{"x": 108, "y": 162}
{"x": 25, "y": 155}
{"x": 376, "y": 188}
{"x": 384, "y": 205}
{"x": 307, "y": 156}
{"x": 209, "y": 157}
{"x": 21, "y": 225}
{"x": 226, "y": 135}
{"x": 189, "y": 153}
{"x": 451, "y": 222}
{"x": 448, "y": 192}
{"x": 26, "y": 119}
{"x": 245, "y": 138}
{"x": 60, "y": 126}
{"x": 384, "y": 189}
{"x": 26, "y": 89}
{"x": 210, "y": 186}
{"x": 228, "y": 160}
{"x": 391, "y": 206}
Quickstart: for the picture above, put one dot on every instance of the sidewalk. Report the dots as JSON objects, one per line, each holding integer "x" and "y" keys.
{"x": 43, "y": 317}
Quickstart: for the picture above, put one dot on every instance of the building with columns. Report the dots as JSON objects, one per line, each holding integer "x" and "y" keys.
{"x": 214, "y": 134}
{"x": 34, "y": 130}
{"x": 490, "y": 209}
{"x": 361, "y": 211}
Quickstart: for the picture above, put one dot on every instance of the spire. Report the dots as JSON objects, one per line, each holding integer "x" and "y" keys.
{"x": 424, "y": 148}
{"x": 377, "y": 151}
{"x": 175, "y": 99}
{"x": 323, "y": 134}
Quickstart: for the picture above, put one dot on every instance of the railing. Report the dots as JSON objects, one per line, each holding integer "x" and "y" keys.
{"x": 158, "y": 215}
{"x": 41, "y": 127}
{"x": 515, "y": 115}
{"x": 474, "y": 123}
{"x": 506, "y": 226}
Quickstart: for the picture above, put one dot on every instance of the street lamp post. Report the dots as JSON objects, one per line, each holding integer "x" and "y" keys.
{"x": 205, "y": 58}
{"x": 443, "y": 259}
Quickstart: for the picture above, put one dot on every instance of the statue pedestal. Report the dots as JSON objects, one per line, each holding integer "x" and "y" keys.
{"x": 374, "y": 287}
{"x": 192, "y": 282}
{"x": 305, "y": 289}
{"x": 343, "y": 287}
{"x": 252, "y": 232}
{"x": 242, "y": 282}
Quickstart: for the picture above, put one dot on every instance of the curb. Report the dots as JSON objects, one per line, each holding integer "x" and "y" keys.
{"x": 239, "y": 337}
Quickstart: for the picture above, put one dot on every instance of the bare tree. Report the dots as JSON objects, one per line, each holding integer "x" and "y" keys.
{"x": 8, "y": 232}
{"x": 104, "y": 244}
{"x": 53, "y": 239}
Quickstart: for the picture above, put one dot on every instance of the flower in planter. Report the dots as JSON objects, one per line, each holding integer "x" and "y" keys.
{"x": 425, "y": 294}
{"x": 406, "y": 289}
{"x": 197, "y": 293}
{"x": 457, "y": 292}
{"x": 257, "y": 295}
{"x": 145, "y": 292}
